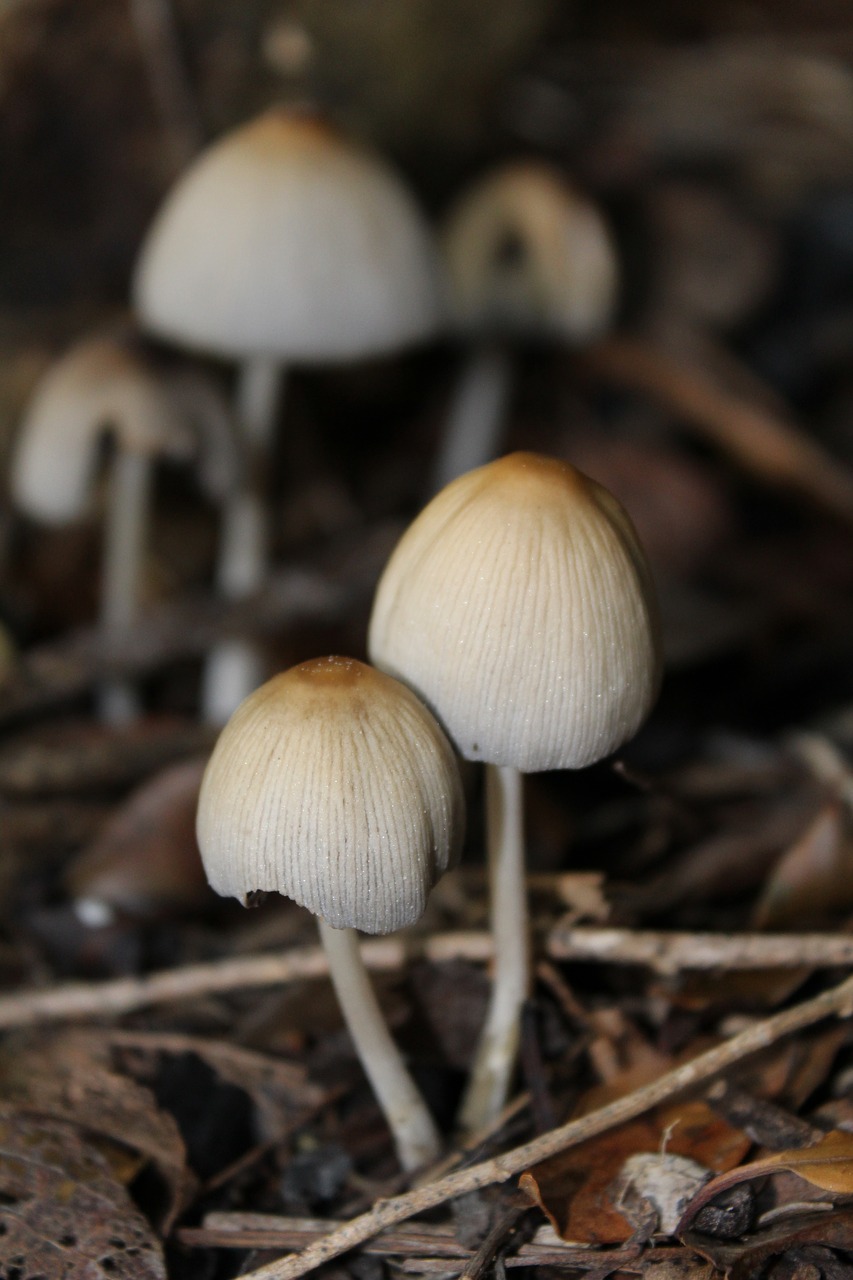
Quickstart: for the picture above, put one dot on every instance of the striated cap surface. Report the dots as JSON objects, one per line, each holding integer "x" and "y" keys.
{"x": 334, "y": 785}
{"x": 520, "y": 607}
{"x": 526, "y": 254}
{"x": 285, "y": 240}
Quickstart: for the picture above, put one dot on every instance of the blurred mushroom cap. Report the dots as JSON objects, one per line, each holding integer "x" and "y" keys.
{"x": 101, "y": 385}
{"x": 334, "y": 785}
{"x": 285, "y": 240}
{"x": 519, "y": 606}
{"x": 529, "y": 256}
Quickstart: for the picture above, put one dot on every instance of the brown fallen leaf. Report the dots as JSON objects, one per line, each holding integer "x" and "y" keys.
{"x": 63, "y": 1215}
{"x": 145, "y": 860}
{"x": 69, "y": 1078}
{"x": 283, "y": 1096}
{"x": 574, "y": 1190}
{"x": 828, "y": 1165}
{"x": 813, "y": 877}
{"x": 746, "y": 1259}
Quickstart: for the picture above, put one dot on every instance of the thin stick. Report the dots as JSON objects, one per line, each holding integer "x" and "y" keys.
{"x": 497, "y": 1050}
{"x": 663, "y": 952}
{"x": 154, "y": 23}
{"x": 106, "y": 999}
{"x": 670, "y": 953}
{"x": 837, "y": 1002}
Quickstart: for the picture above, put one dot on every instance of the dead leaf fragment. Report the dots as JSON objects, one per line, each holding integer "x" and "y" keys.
{"x": 70, "y": 1079}
{"x": 660, "y": 1181}
{"x": 574, "y": 1189}
{"x": 812, "y": 878}
{"x": 63, "y": 1215}
{"x": 828, "y": 1165}
{"x": 145, "y": 860}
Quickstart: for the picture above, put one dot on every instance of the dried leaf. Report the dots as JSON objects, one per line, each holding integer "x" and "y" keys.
{"x": 574, "y": 1190}
{"x": 813, "y": 878}
{"x": 145, "y": 860}
{"x": 283, "y": 1095}
{"x": 828, "y": 1165}
{"x": 744, "y": 1260}
{"x": 659, "y": 1184}
{"x": 69, "y": 1078}
{"x": 63, "y": 1215}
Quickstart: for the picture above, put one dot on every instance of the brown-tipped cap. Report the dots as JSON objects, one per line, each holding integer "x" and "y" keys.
{"x": 519, "y": 606}
{"x": 284, "y": 240}
{"x": 528, "y": 255}
{"x": 334, "y": 785}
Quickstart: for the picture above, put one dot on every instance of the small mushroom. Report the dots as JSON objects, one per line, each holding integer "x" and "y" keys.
{"x": 108, "y": 385}
{"x": 520, "y": 607}
{"x": 282, "y": 242}
{"x": 334, "y": 785}
{"x": 528, "y": 257}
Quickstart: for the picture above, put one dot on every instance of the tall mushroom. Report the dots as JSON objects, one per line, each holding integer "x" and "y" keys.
{"x": 282, "y": 243}
{"x": 334, "y": 785}
{"x": 528, "y": 257}
{"x": 519, "y": 606}
{"x": 108, "y": 385}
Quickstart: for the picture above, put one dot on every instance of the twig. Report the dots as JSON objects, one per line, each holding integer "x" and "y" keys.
{"x": 669, "y": 953}
{"x": 765, "y": 444}
{"x": 428, "y": 1242}
{"x": 154, "y": 25}
{"x": 103, "y": 999}
{"x": 837, "y": 1002}
{"x": 666, "y": 953}
{"x": 495, "y": 1241}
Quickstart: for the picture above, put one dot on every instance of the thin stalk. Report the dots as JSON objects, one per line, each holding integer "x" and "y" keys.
{"x": 415, "y": 1135}
{"x": 234, "y": 668}
{"x": 474, "y": 429}
{"x": 494, "y": 1061}
{"x": 124, "y": 542}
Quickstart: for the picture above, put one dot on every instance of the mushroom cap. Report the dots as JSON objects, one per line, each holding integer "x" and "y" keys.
{"x": 284, "y": 240}
{"x": 528, "y": 255}
{"x": 334, "y": 785}
{"x": 520, "y": 607}
{"x": 102, "y": 384}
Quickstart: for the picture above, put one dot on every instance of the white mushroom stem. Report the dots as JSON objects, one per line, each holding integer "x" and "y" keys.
{"x": 494, "y": 1062}
{"x": 415, "y": 1135}
{"x": 234, "y": 668}
{"x": 124, "y": 540}
{"x": 474, "y": 429}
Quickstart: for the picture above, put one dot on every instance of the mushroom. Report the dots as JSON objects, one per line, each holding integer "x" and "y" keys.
{"x": 527, "y": 257}
{"x": 282, "y": 242}
{"x": 334, "y": 785}
{"x": 109, "y": 385}
{"x": 520, "y": 607}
